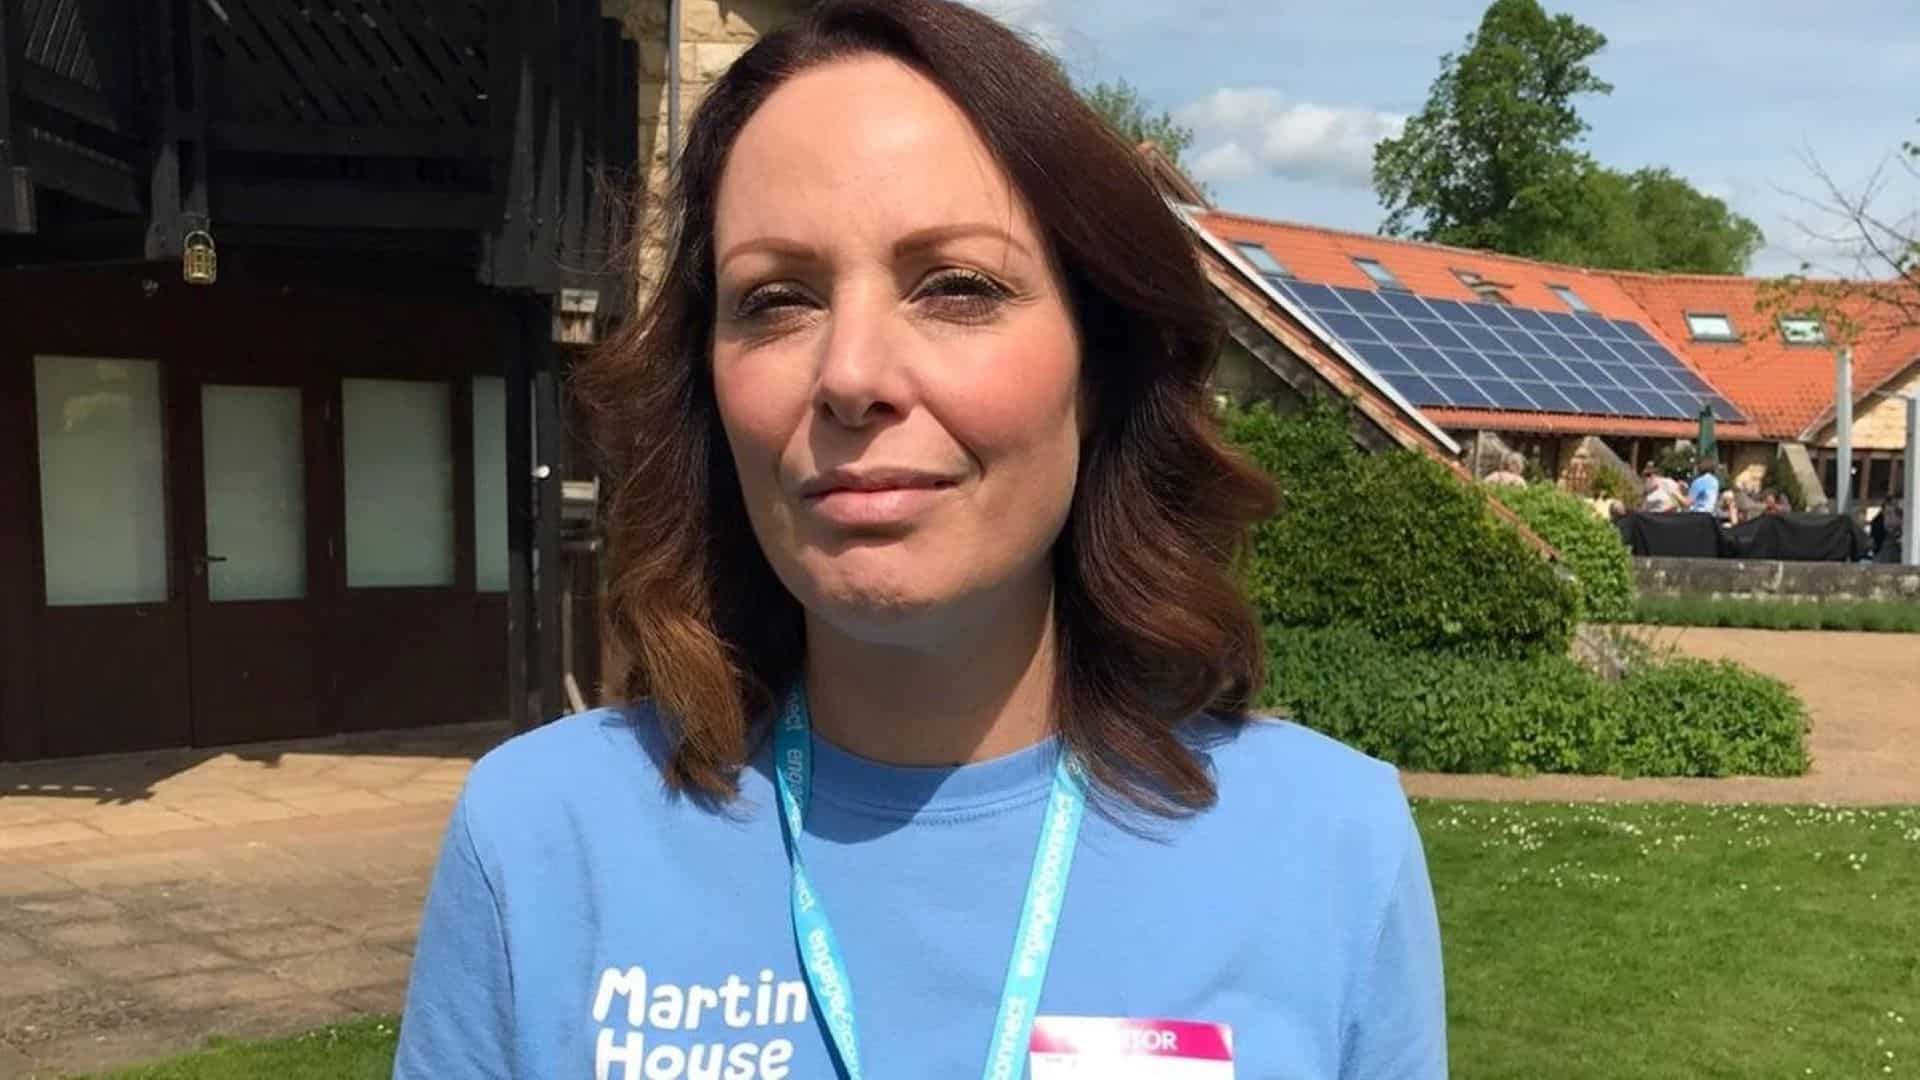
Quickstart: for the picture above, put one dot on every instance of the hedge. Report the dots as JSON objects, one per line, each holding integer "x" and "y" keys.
{"x": 1882, "y": 616}
{"x": 1448, "y": 713}
{"x": 1394, "y": 543}
{"x": 1589, "y": 547}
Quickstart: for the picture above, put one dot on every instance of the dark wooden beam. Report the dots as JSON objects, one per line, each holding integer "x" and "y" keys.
{"x": 16, "y": 184}
{"x": 513, "y": 104}
{"x": 576, "y": 36}
{"x": 543, "y": 268}
{"x": 19, "y": 535}
{"x": 519, "y": 447}
{"x": 81, "y": 102}
{"x": 164, "y": 230}
{"x": 64, "y": 169}
{"x": 407, "y": 142}
{"x": 268, "y": 202}
{"x": 550, "y": 658}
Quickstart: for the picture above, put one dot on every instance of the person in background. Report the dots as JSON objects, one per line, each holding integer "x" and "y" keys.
{"x": 1885, "y": 532}
{"x": 1704, "y": 494}
{"x": 1511, "y": 473}
{"x": 1728, "y": 508}
{"x": 1659, "y": 496}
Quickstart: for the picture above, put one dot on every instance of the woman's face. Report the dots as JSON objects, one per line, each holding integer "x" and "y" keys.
{"x": 897, "y": 369}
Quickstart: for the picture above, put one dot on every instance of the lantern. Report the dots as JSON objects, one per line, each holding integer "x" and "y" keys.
{"x": 199, "y": 263}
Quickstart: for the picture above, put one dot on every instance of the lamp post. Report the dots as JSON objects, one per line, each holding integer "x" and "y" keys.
{"x": 1843, "y": 431}
{"x": 1910, "y": 500}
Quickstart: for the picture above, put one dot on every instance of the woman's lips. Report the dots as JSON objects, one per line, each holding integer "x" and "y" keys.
{"x": 877, "y": 506}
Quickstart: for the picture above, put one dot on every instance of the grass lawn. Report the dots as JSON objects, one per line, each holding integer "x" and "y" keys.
{"x": 361, "y": 1050}
{"x": 1660, "y": 941}
{"x": 1594, "y": 942}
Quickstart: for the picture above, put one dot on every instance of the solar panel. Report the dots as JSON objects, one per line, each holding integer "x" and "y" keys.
{"x": 1492, "y": 356}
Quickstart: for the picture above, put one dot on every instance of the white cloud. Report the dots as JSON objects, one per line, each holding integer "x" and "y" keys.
{"x": 1243, "y": 131}
{"x": 1040, "y": 20}
{"x": 1226, "y": 163}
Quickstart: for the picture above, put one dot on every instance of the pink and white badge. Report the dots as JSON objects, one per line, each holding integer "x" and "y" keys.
{"x": 1085, "y": 1047}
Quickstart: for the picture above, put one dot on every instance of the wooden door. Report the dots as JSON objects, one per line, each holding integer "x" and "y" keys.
{"x": 249, "y": 462}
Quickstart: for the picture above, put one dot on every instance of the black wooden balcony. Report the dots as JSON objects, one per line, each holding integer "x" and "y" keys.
{"x": 483, "y": 130}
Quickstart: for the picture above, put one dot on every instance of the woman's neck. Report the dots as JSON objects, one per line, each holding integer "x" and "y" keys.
{"x": 982, "y": 690}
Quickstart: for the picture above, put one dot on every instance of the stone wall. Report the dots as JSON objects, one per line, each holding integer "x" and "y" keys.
{"x": 1245, "y": 377}
{"x": 713, "y": 34}
{"x": 1583, "y": 459}
{"x": 1767, "y": 579}
{"x": 1879, "y": 423}
{"x": 1746, "y": 463}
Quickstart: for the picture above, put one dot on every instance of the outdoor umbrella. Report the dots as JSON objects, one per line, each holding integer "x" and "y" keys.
{"x": 1706, "y": 431}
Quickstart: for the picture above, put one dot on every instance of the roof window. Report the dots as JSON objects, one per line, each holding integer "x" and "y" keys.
{"x": 1381, "y": 276}
{"x": 1709, "y": 326}
{"x": 1261, "y": 258}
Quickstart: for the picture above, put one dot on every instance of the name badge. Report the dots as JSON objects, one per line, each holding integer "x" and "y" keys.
{"x": 1086, "y": 1047}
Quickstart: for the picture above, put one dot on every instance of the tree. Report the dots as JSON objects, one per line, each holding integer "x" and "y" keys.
{"x": 1873, "y": 287}
{"x": 1649, "y": 219}
{"x": 1492, "y": 154}
{"x": 1135, "y": 119}
{"x": 1493, "y": 161}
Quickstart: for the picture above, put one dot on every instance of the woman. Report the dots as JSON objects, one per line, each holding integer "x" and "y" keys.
{"x": 937, "y": 753}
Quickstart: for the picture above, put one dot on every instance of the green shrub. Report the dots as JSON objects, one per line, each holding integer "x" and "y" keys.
{"x": 1780, "y": 477}
{"x": 1610, "y": 483}
{"x": 1590, "y": 547}
{"x": 1395, "y": 543}
{"x": 1708, "y": 718}
{"x": 1442, "y": 713}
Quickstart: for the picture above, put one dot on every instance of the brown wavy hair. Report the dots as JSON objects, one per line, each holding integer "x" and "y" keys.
{"x": 1151, "y": 623}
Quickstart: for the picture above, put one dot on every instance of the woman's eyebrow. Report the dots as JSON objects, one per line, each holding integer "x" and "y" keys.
{"x": 934, "y": 235}
{"x": 915, "y": 242}
{"x": 769, "y": 245}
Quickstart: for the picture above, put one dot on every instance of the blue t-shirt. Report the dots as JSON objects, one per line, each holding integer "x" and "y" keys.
{"x": 1704, "y": 493}
{"x": 586, "y": 923}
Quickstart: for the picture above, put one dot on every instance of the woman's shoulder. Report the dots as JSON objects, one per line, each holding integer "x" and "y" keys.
{"x": 575, "y": 757}
{"x": 1273, "y": 769}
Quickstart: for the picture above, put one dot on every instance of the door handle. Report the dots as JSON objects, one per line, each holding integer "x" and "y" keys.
{"x": 206, "y": 559}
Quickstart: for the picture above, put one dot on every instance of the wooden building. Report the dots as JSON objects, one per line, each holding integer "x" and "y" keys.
{"x": 320, "y": 491}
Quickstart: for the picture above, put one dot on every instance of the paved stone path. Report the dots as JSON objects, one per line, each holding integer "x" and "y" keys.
{"x": 147, "y": 901}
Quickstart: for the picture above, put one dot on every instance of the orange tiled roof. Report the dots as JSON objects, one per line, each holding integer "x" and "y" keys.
{"x": 1786, "y": 389}
{"x": 1545, "y": 423}
{"x": 1325, "y": 257}
{"x": 1783, "y": 389}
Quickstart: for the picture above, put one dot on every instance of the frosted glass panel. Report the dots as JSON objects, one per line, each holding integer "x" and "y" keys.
{"x": 399, "y": 450}
{"x": 256, "y": 492}
{"x": 103, "y": 513}
{"x": 490, "y": 483}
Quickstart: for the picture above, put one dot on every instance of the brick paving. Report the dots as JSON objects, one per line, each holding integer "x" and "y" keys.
{"x": 147, "y": 901}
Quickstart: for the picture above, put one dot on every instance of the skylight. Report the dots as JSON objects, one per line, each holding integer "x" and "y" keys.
{"x": 1802, "y": 330}
{"x": 1261, "y": 258}
{"x": 1482, "y": 288}
{"x": 1571, "y": 299}
{"x": 1705, "y": 326}
{"x": 1381, "y": 276}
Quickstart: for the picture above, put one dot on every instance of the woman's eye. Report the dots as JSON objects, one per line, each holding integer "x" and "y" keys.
{"x": 963, "y": 294}
{"x": 769, "y": 300}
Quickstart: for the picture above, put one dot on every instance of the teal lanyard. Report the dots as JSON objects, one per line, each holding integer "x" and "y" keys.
{"x": 820, "y": 955}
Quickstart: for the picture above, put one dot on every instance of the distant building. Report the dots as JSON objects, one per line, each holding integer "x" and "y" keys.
{"x": 1579, "y": 369}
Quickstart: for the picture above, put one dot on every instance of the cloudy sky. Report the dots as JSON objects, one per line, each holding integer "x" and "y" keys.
{"x": 1288, "y": 97}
